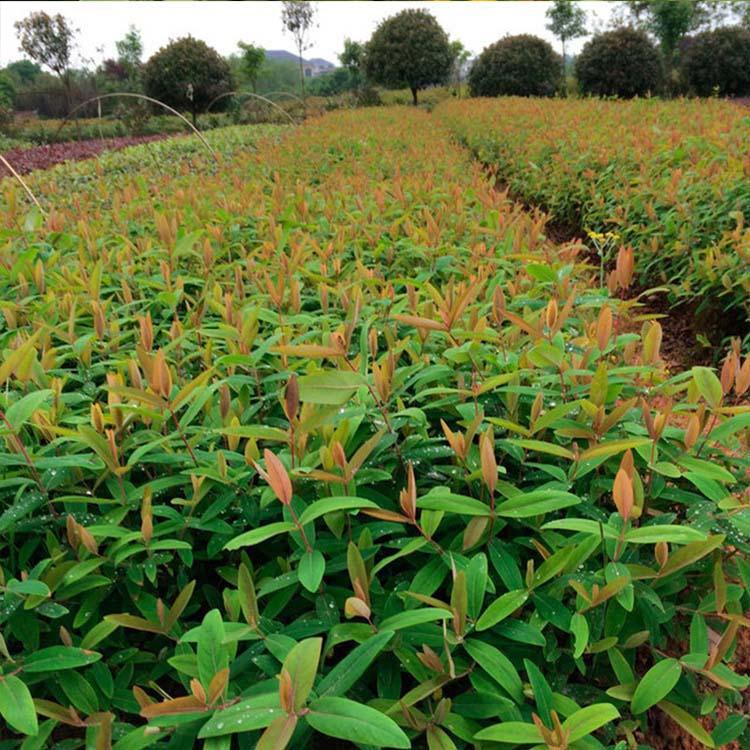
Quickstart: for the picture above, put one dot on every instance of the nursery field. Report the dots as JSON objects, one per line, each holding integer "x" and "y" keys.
{"x": 669, "y": 178}
{"x": 325, "y": 443}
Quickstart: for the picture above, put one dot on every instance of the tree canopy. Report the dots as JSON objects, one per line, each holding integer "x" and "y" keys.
{"x": 187, "y": 74}
{"x": 409, "y": 49}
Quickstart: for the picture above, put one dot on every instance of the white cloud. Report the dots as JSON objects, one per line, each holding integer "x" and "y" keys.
{"x": 223, "y": 24}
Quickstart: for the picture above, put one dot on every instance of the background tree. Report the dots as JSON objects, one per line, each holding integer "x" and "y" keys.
{"x": 129, "y": 56}
{"x": 297, "y": 17}
{"x": 671, "y": 20}
{"x": 623, "y": 62}
{"x": 187, "y": 74}
{"x": 521, "y": 65}
{"x": 352, "y": 58}
{"x": 130, "y": 48}
{"x": 49, "y": 40}
{"x": 23, "y": 72}
{"x": 7, "y": 90}
{"x": 252, "y": 59}
{"x": 717, "y": 61}
{"x": 566, "y": 21}
{"x": 409, "y": 49}
{"x": 460, "y": 58}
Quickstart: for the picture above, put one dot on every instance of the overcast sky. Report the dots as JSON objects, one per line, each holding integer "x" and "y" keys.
{"x": 223, "y": 24}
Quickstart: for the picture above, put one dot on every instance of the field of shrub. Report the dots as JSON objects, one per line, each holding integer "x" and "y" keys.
{"x": 326, "y": 439}
{"x": 670, "y": 178}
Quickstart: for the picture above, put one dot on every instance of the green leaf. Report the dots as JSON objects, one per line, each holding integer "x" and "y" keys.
{"x": 278, "y": 733}
{"x": 540, "y": 446}
{"x": 28, "y": 588}
{"x": 212, "y": 655}
{"x": 729, "y": 730}
{"x": 55, "y": 658}
{"x": 437, "y": 739}
{"x": 583, "y": 526}
{"x": 443, "y": 499}
{"x": 256, "y": 536}
{"x": 349, "y": 669}
{"x": 331, "y": 505}
{"x": 589, "y": 719}
{"x": 708, "y": 385}
{"x": 17, "y": 705}
{"x": 476, "y": 583}
{"x": 511, "y": 732}
{"x": 18, "y": 414}
{"x": 612, "y": 448}
{"x": 536, "y": 503}
{"x": 355, "y": 722}
{"x": 542, "y": 691}
{"x": 732, "y": 426}
{"x": 247, "y": 715}
{"x": 78, "y": 691}
{"x": 656, "y": 684}
{"x": 502, "y": 607}
{"x": 664, "y": 533}
{"x": 690, "y": 553}
{"x": 333, "y": 387}
{"x": 579, "y": 627}
{"x": 312, "y": 566}
{"x": 302, "y": 664}
{"x": 497, "y": 666}
{"x": 414, "y": 617}
{"x": 687, "y": 722}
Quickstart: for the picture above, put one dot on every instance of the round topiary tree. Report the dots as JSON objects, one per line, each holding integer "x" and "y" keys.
{"x": 623, "y": 62}
{"x": 718, "y": 61}
{"x": 187, "y": 74}
{"x": 409, "y": 49}
{"x": 522, "y": 65}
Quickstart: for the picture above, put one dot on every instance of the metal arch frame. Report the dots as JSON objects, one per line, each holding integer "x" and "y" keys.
{"x": 145, "y": 98}
{"x": 23, "y": 184}
{"x": 254, "y": 96}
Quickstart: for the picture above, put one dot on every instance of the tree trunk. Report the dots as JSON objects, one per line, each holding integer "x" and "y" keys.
{"x": 564, "y": 73}
{"x": 195, "y": 119}
{"x": 414, "y": 96}
{"x": 301, "y": 73}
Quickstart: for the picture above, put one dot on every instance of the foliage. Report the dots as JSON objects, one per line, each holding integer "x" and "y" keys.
{"x": 23, "y": 71}
{"x": 129, "y": 57}
{"x": 718, "y": 62}
{"x": 670, "y": 20}
{"x": 566, "y": 21}
{"x": 334, "y": 82}
{"x": 297, "y": 17}
{"x": 521, "y": 65}
{"x": 48, "y": 40}
{"x": 352, "y": 56}
{"x": 124, "y": 123}
{"x": 330, "y": 441}
{"x": 622, "y": 63}
{"x": 669, "y": 178}
{"x": 130, "y": 48}
{"x": 461, "y": 57}
{"x": 409, "y": 49}
{"x": 7, "y": 90}
{"x": 187, "y": 74}
{"x": 252, "y": 59}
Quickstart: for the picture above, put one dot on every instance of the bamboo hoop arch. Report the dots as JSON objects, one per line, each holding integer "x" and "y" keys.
{"x": 23, "y": 184}
{"x": 250, "y": 94}
{"x": 145, "y": 98}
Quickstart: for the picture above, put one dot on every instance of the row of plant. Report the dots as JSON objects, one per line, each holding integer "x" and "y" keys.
{"x": 669, "y": 179}
{"x": 328, "y": 439}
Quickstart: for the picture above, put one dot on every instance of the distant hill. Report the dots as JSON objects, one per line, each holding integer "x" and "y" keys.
{"x": 313, "y": 67}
